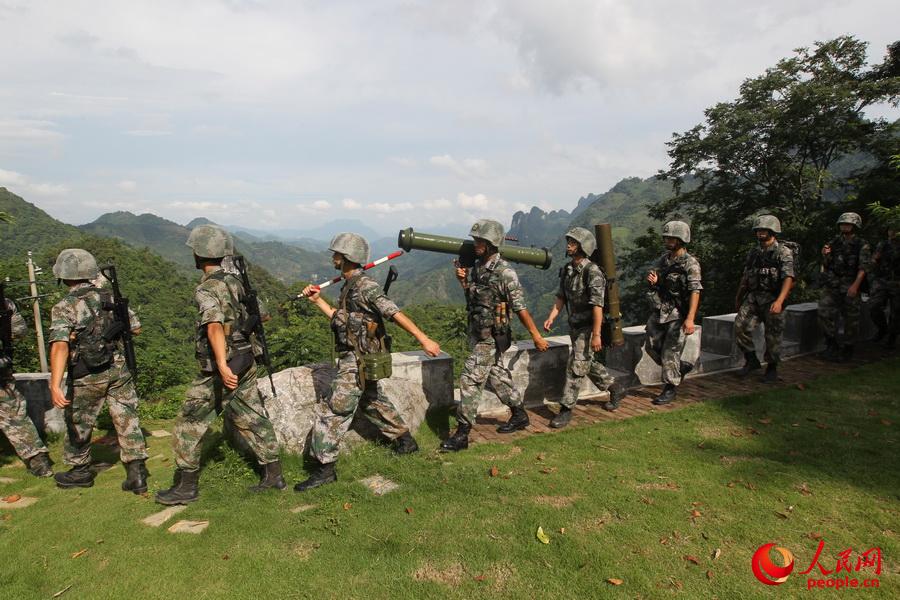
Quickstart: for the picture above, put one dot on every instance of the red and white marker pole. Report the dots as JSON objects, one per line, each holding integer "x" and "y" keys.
{"x": 371, "y": 265}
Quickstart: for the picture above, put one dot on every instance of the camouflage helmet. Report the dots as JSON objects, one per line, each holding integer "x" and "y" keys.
{"x": 75, "y": 263}
{"x": 489, "y": 230}
{"x": 583, "y": 237}
{"x": 210, "y": 241}
{"x": 852, "y": 218}
{"x": 353, "y": 246}
{"x": 769, "y": 222}
{"x": 678, "y": 230}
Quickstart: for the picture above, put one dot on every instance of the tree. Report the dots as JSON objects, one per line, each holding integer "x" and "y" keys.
{"x": 791, "y": 144}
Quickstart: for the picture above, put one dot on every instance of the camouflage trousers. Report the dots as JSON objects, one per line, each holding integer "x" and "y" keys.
{"x": 87, "y": 394}
{"x": 751, "y": 313}
{"x": 335, "y": 415}
{"x": 16, "y": 425}
{"x": 834, "y": 304}
{"x": 885, "y": 294}
{"x": 243, "y": 406}
{"x": 665, "y": 343}
{"x": 583, "y": 363}
{"x": 480, "y": 369}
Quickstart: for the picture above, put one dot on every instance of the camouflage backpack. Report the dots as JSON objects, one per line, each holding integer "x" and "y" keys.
{"x": 95, "y": 345}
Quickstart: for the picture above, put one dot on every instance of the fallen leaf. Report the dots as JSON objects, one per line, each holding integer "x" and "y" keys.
{"x": 479, "y": 578}
{"x": 696, "y": 513}
{"x": 695, "y": 504}
{"x": 347, "y": 505}
{"x": 731, "y": 484}
{"x": 548, "y": 470}
{"x": 801, "y": 387}
{"x": 716, "y": 553}
{"x": 821, "y": 425}
{"x": 780, "y": 515}
{"x": 766, "y": 421}
{"x": 814, "y": 536}
{"x": 886, "y": 422}
{"x": 750, "y": 486}
{"x": 541, "y": 456}
{"x": 664, "y": 541}
{"x": 614, "y": 581}
{"x": 692, "y": 559}
{"x": 542, "y": 536}
{"x": 795, "y": 424}
{"x": 804, "y": 489}
{"x": 873, "y": 412}
{"x": 753, "y": 431}
{"x": 562, "y": 529}
{"x": 494, "y": 471}
{"x": 409, "y": 510}
{"x": 646, "y": 500}
{"x": 62, "y": 591}
{"x": 701, "y": 445}
{"x": 80, "y": 553}
{"x": 12, "y": 498}
{"x": 709, "y": 574}
{"x": 225, "y": 557}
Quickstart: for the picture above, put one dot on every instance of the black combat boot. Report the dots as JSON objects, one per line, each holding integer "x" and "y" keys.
{"x": 405, "y": 444}
{"x": 136, "y": 477}
{"x": 831, "y": 349}
{"x": 271, "y": 478}
{"x": 751, "y": 363}
{"x": 459, "y": 440}
{"x": 80, "y": 476}
{"x": 183, "y": 490}
{"x": 517, "y": 420}
{"x": 684, "y": 368}
{"x": 771, "y": 375}
{"x": 323, "y": 474}
{"x": 39, "y": 465}
{"x": 616, "y": 394}
{"x": 667, "y": 395}
{"x": 562, "y": 418}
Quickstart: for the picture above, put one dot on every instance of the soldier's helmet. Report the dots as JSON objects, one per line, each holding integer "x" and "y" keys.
{"x": 352, "y": 245}
{"x": 75, "y": 263}
{"x": 210, "y": 241}
{"x": 769, "y": 222}
{"x": 677, "y": 229}
{"x": 583, "y": 237}
{"x": 489, "y": 230}
{"x": 852, "y": 218}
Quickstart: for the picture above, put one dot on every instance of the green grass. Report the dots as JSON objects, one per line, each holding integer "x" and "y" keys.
{"x": 825, "y": 458}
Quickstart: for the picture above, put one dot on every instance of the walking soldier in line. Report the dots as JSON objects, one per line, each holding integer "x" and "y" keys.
{"x": 225, "y": 349}
{"x": 86, "y": 341}
{"x": 492, "y": 291}
{"x": 582, "y": 290}
{"x": 675, "y": 285}
{"x": 886, "y": 287}
{"x": 766, "y": 282}
{"x": 363, "y": 361}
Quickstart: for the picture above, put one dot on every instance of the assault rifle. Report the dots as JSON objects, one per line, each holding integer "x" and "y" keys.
{"x": 123, "y": 320}
{"x": 254, "y": 324}
{"x": 391, "y": 278}
{"x": 6, "y": 351}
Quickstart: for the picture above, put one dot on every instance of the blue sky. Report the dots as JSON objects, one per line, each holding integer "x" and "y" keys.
{"x": 289, "y": 114}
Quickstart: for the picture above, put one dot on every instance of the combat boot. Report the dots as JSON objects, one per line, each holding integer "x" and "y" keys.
{"x": 771, "y": 375}
{"x": 80, "y": 476}
{"x": 323, "y": 474}
{"x": 831, "y": 349}
{"x": 751, "y": 363}
{"x": 616, "y": 394}
{"x": 183, "y": 490}
{"x": 667, "y": 395}
{"x": 517, "y": 420}
{"x": 684, "y": 368}
{"x": 459, "y": 440}
{"x": 562, "y": 418}
{"x": 271, "y": 478}
{"x": 136, "y": 477}
{"x": 405, "y": 444}
{"x": 39, "y": 465}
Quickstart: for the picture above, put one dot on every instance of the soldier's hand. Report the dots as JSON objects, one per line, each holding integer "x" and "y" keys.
{"x": 853, "y": 291}
{"x": 548, "y": 324}
{"x": 652, "y": 277}
{"x": 431, "y": 347}
{"x": 688, "y": 327}
{"x": 461, "y": 273}
{"x": 596, "y": 342}
{"x": 776, "y": 308}
{"x": 58, "y": 398}
{"x": 541, "y": 344}
{"x": 311, "y": 292}
{"x": 229, "y": 379}
{"x": 826, "y": 250}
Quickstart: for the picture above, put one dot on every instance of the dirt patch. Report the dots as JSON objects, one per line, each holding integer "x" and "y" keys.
{"x": 668, "y": 486}
{"x": 556, "y": 501}
{"x": 500, "y": 575}
{"x": 450, "y": 575}
{"x": 731, "y": 460}
{"x": 303, "y": 550}
{"x": 713, "y": 431}
{"x": 513, "y": 452}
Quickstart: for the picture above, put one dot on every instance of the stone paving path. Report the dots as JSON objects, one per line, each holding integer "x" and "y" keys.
{"x": 794, "y": 371}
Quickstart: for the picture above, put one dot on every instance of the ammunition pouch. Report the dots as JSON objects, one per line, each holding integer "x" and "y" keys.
{"x": 502, "y": 338}
{"x": 241, "y": 359}
{"x": 374, "y": 366}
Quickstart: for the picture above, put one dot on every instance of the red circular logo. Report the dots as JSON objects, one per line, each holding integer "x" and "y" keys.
{"x": 767, "y": 571}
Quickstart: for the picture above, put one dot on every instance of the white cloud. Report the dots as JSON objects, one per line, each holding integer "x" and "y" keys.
{"x": 477, "y": 201}
{"x": 48, "y": 189}
{"x": 351, "y": 204}
{"x": 321, "y": 205}
{"x": 23, "y": 185}
{"x": 199, "y": 206}
{"x": 28, "y": 130}
{"x": 386, "y": 207}
{"x": 126, "y": 185}
{"x": 438, "y": 204}
{"x": 466, "y": 168}
{"x": 11, "y": 178}
{"x": 403, "y": 161}
{"x": 147, "y": 132}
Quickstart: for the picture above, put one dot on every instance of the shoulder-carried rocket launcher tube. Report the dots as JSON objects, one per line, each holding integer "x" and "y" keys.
{"x": 465, "y": 249}
{"x": 606, "y": 257}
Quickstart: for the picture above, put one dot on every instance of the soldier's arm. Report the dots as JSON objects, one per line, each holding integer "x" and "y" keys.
{"x": 554, "y": 312}
{"x": 596, "y": 337}
{"x": 430, "y": 347}
{"x": 694, "y": 303}
{"x": 215, "y": 333}
{"x": 134, "y": 322}
{"x": 59, "y": 359}
{"x": 865, "y": 264}
{"x": 17, "y": 322}
{"x": 313, "y": 295}
{"x": 525, "y": 318}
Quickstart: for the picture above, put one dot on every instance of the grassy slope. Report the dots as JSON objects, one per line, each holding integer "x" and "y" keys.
{"x": 608, "y": 482}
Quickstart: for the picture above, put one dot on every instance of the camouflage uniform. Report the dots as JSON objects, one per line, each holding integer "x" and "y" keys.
{"x": 218, "y": 300}
{"x": 489, "y": 284}
{"x": 839, "y": 273}
{"x": 359, "y": 318}
{"x": 582, "y": 286}
{"x": 885, "y": 292}
{"x": 71, "y": 317}
{"x": 14, "y": 421}
{"x": 765, "y": 271}
{"x": 679, "y": 277}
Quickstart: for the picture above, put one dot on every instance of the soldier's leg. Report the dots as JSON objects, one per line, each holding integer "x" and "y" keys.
{"x": 878, "y": 302}
{"x": 197, "y": 414}
{"x": 851, "y": 309}
{"x": 244, "y": 407}
{"x": 744, "y": 324}
{"x": 379, "y": 409}
{"x": 774, "y": 333}
{"x": 472, "y": 380}
{"x": 828, "y": 312}
{"x": 576, "y": 369}
{"x": 334, "y": 416}
{"x": 80, "y": 417}
{"x": 673, "y": 345}
{"x": 123, "y": 408}
{"x": 16, "y": 425}
{"x": 656, "y": 332}
{"x": 501, "y": 381}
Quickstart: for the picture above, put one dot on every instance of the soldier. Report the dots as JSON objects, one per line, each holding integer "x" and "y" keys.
{"x": 845, "y": 261}
{"x": 492, "y": 291}
{"x": 675, "y": 293}
{"x": 83, "y": 342}
{"x": 227, "y": 379}
{"x": 765, "y": 285}
{"x": 358, "y": 324}
{"x": 886, "y": 287}
{"x": 14, "y": 421}
{"x": 582, "y": 290}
